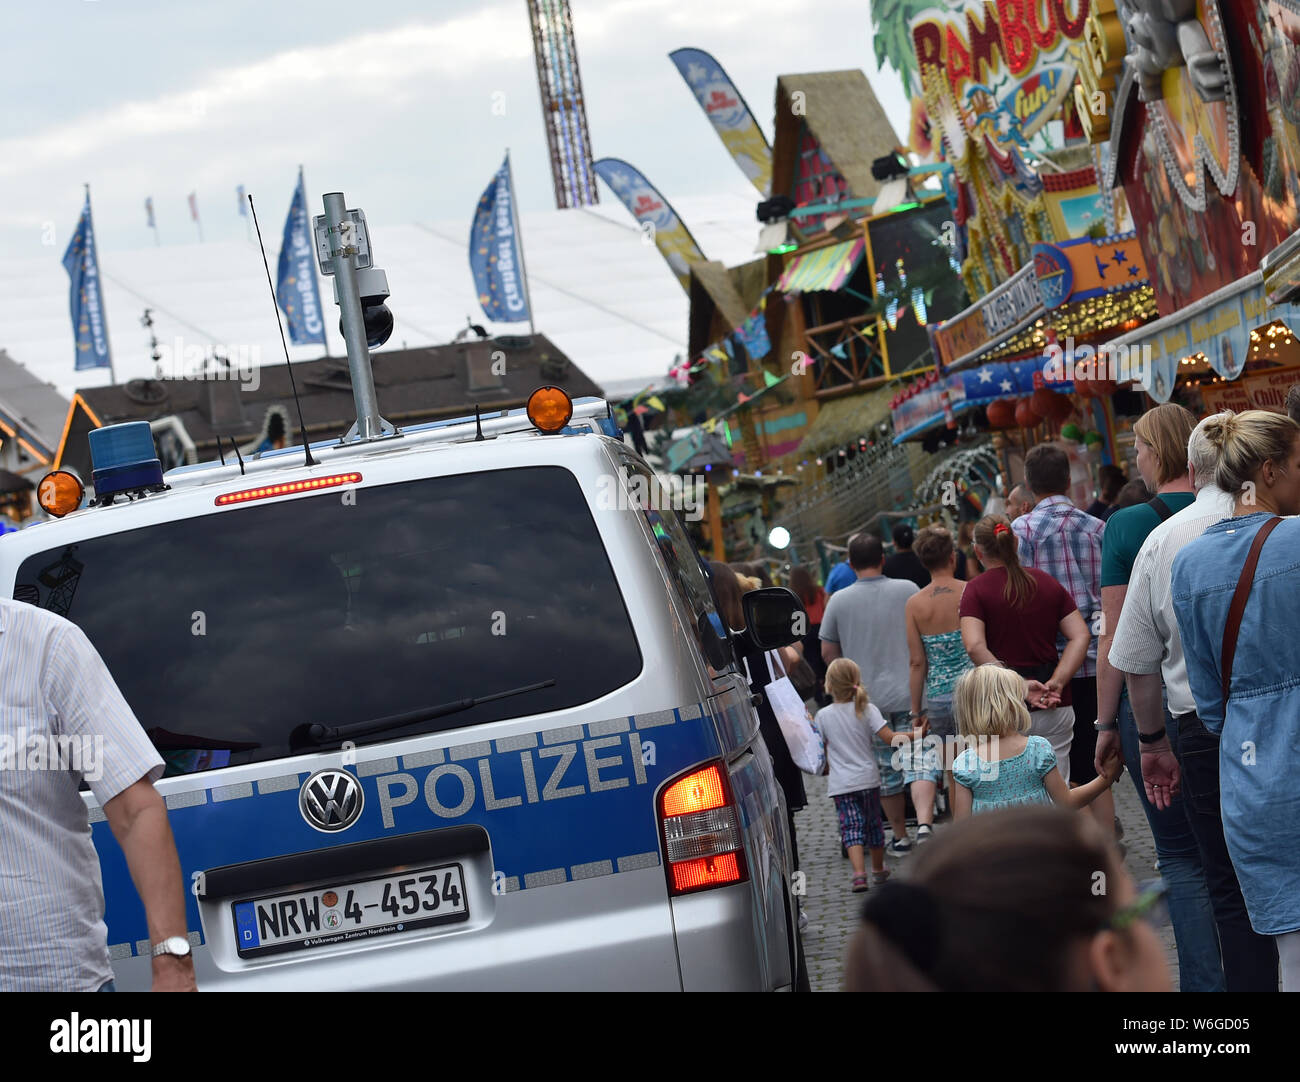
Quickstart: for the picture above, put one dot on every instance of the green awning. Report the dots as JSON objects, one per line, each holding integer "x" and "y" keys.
{"x": 825, "y": 270}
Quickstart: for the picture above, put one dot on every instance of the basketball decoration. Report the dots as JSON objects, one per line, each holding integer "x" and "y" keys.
{"x": 1047, "y": 403}
{"x": 1026, "y": 416}
{"x": 1001, "y": 414}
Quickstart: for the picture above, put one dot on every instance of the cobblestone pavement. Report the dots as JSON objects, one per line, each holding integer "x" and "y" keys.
{"x": 833, "y": 908}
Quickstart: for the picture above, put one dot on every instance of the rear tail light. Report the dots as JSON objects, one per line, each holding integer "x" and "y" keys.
{"x": 701, "y": 830}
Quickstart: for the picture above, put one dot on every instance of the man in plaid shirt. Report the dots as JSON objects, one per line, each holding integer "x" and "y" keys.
{"x": 1058, "y": 538}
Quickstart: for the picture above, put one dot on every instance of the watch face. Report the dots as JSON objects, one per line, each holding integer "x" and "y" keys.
{"x": 177, "y": 944}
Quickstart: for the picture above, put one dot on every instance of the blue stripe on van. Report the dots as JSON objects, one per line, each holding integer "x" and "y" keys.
{"x": 524, "y": 790}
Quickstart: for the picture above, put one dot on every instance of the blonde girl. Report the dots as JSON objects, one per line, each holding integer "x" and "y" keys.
{"x": 1002, "y": 765}
{"x": 849, "y": 725}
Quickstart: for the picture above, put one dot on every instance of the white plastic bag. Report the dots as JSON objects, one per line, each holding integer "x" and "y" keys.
{"x": 805, "y": 743}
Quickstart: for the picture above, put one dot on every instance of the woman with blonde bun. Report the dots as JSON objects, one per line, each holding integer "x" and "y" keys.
{"x": 1245, "y": 685}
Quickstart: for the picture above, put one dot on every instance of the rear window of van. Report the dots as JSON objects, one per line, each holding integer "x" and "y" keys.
{"x": 232, "y": 634}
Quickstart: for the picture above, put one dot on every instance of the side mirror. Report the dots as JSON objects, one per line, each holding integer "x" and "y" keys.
{"x": 774, "y": 617}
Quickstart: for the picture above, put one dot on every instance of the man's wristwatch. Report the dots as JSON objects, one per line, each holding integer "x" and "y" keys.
{"x": 1152, "y": 738}
{"x": 1109, "y": 728}
{"x": 176, "y": 945}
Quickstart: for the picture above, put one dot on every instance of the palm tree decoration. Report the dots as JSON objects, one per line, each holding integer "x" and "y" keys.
{"x": 893, "y": 43}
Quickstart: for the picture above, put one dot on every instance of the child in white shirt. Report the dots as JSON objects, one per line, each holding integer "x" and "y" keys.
{"x": 849, "y": 727}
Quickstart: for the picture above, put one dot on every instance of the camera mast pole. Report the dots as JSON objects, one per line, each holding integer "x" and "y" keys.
{"x": 342, "y": 243}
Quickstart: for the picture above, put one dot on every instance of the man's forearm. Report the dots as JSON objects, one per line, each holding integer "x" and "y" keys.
{"x": 1110, "y": 681}
{"x": 1146, "y": 697}
{"x": 150, "y": 852}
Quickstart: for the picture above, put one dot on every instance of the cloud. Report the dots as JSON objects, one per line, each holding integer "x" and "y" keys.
{"x": 376, "y": 65}
{"x": 398, "y": 115}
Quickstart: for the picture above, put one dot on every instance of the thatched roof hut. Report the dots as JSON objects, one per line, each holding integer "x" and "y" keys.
{"x": 841, "y": 111}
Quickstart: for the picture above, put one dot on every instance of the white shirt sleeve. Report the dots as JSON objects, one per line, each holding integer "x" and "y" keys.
{"x": 828, "y": 632}
{"x": 88, "y": 704}
{"x": 1137, "y": 645}
{"x": 875, "y": 718}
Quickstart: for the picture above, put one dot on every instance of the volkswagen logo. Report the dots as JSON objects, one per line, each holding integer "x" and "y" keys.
{"x": 331, "y": 800}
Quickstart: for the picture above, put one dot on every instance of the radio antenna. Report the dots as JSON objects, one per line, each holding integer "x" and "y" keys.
{"x": 302, "y": 428}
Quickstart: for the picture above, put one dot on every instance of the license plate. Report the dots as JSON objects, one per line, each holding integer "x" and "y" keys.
{"x": 350, "y": 912}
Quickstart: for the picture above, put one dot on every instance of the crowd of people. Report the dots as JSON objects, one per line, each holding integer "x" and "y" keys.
{"x": 1023, "y": 664}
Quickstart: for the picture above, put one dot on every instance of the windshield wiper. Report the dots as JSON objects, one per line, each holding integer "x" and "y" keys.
{"x": 325, "y": 734}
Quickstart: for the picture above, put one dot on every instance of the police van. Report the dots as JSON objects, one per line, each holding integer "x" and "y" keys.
{"x": 436, "y": 712}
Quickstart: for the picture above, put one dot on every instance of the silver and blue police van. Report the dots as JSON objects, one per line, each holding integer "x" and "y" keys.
{"x": 437, "y": 714}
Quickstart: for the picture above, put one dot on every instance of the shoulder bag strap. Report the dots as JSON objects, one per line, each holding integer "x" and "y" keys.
{"x": 1159, "y": 507}
{"x": 1238, "y": 607}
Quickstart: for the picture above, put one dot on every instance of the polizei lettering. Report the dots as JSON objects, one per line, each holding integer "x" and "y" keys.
{"x": 553, "y": 772}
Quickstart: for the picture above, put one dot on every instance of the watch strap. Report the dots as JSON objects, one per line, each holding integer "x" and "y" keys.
{"x": 163, "y": 947}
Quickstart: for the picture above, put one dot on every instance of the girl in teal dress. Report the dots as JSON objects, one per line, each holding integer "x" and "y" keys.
{"x": 1001, "y": 765}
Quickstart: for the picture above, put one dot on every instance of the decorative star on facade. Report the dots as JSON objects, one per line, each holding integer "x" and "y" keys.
{"x": 1120, "y": 255}
{"x": 986, "y": 376}
{"x": 1005, "y": 386}
{"x": 1101, "y": 266}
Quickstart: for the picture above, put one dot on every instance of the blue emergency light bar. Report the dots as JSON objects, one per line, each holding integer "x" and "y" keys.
{"x": 124, "y": 459}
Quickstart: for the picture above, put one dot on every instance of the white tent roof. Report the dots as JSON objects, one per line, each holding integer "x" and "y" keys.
{"x": 599, "y": 291}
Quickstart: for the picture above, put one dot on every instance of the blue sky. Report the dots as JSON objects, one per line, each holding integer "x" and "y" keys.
{"x": 390, "y": 102}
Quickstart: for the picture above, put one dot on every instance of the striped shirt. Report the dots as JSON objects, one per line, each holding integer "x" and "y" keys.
{"x": 1058, "y": 538}
{"x": 62, "y": 720}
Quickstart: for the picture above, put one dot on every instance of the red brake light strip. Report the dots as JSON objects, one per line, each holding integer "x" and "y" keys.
{"x": 288, "y": 488}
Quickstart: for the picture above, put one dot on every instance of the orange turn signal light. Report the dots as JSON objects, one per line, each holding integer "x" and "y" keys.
{"x": 60, "y": 492}
{"x": 696, "y": 792}
{"x": 549, "y": 409}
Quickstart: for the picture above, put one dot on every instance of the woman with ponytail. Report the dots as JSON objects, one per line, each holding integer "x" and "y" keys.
{"x": 1012, "y": 614}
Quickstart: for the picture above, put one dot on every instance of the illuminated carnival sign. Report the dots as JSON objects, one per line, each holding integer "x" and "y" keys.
{"x": 1011, "y": 35}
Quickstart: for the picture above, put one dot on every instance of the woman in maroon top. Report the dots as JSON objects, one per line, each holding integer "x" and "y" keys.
{"x": 1012, "y": 614}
